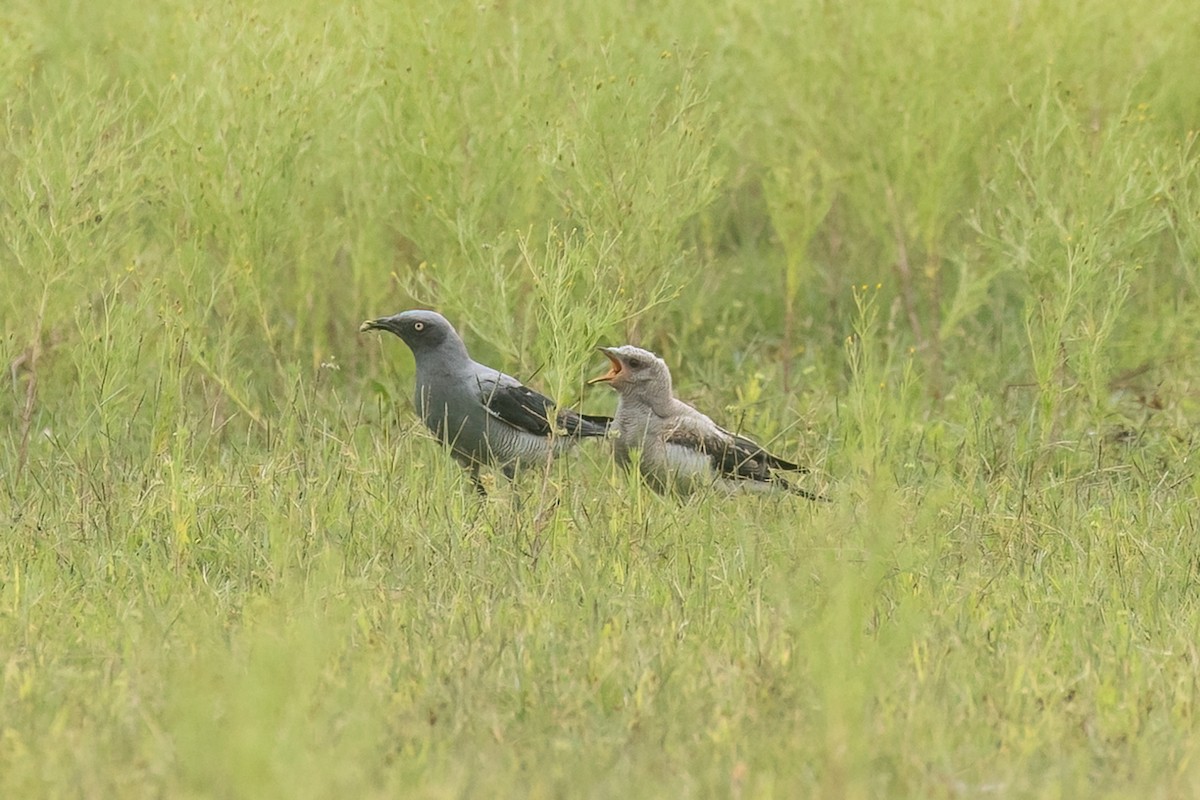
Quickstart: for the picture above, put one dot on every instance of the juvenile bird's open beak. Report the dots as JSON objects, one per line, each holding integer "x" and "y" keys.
{"x": 614, "y": 369}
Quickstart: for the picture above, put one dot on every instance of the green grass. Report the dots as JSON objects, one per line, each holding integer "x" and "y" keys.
{"x": 945, "y": 253}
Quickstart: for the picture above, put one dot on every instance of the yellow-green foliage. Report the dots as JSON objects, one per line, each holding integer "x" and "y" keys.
{"x": 946, "y": 253}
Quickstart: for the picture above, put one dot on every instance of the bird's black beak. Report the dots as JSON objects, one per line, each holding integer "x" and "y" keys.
{"x": 380, "y": 324}
{"x": 614, "y": 369}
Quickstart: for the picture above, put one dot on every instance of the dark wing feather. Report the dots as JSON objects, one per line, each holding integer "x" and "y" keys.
{"x": 529, "y": 411}
{"x": 746, "y": 449}
{"x": 738, "y": 458}
{"x": 730, "y": 457}
{"x": 518, "y": 406}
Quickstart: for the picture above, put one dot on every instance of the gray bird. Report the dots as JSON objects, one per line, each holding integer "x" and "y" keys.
{"x": 484, "y": 416}
{"x": 681, "y": 450}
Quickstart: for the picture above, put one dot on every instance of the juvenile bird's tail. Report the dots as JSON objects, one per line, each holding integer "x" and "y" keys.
{"x": 584, "y": 425}
{"x": 805, "y": 493}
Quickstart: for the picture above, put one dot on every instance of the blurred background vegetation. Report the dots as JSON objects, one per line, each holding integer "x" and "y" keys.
{"x": 245, "y": 183}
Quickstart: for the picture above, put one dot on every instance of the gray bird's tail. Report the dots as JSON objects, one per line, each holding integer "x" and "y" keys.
{"x": 584, "y": 425}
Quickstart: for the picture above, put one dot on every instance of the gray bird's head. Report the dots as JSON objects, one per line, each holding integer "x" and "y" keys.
{"x": 637, "y": 374}
{"x": 425, "y": 333}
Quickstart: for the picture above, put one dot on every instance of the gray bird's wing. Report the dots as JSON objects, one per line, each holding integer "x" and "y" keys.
{"x": 515, "y": 404}
{"x": 525, "y": 409}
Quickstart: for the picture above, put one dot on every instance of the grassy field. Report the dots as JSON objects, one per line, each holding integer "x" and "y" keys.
{"x": 947, "y": 253}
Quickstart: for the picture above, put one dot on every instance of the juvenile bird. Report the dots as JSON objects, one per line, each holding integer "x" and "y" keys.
{"x": 682, "y": 450}
{"x": 484, "y": 416}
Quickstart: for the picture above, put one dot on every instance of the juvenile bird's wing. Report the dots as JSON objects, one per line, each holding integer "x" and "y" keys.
{"x": 731, "y": 456}
{"x": 515, "y": 404}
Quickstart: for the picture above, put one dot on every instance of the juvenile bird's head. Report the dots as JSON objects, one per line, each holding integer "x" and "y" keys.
{"x": 636, "y": 374}
{"x": 425, "y": 333}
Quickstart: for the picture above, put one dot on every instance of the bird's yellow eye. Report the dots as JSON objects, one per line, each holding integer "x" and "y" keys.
{"x": 418, "y": 326}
